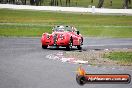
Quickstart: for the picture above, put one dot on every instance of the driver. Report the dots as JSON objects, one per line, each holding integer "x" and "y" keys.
{"x": 61, "y": 28}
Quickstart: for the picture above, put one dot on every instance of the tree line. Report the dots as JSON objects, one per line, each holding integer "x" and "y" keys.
{"x": 36, "y": 2}
{"x": 125, "y": 3}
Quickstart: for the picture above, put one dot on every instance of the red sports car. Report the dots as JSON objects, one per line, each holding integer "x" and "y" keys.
{"x": 64, "y": 36}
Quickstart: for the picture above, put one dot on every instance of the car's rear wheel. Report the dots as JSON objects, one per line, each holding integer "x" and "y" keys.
{"x": 80, "y": 46}
{"x": 69, "y": 47}
{"x": 44, "y": 46}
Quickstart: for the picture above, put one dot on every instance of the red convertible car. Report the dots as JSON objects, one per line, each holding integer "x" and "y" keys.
{"x": 64, "y": 36}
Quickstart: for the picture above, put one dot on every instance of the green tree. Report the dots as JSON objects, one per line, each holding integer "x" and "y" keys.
{"x": 126, "y": 3}
{"x": 100, "y": 3}
{"x": 68, "y": 2}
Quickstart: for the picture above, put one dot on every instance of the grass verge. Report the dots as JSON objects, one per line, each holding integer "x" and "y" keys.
{"x": 121, "y": 57}
{"x": 34, "y": 23}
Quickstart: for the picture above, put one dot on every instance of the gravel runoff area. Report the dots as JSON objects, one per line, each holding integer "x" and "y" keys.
{"x": 95, "y": 57}
{"x": 69, "y": 9}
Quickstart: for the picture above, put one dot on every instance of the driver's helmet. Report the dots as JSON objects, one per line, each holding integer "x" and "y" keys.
{"x": 61, "y": 28}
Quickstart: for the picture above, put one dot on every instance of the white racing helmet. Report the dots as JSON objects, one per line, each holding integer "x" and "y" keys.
{"x": 61, "y": 27}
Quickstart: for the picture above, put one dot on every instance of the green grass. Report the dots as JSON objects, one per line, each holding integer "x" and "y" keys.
{"x": 17, "y": 30}
{"x": 34, "y": 23}
{"x": 123, "y": 57}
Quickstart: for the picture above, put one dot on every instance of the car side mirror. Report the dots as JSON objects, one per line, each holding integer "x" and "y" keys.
{"x": 78, "y": 32}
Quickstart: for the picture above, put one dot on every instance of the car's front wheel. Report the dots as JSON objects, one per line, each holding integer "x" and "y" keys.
{"x": 44, "y": 46}
{"x": 79, "y": 47}
{"x": 69, "y": 47}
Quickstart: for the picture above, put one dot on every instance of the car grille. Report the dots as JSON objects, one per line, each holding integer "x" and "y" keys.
{"x": 55, "y": 38}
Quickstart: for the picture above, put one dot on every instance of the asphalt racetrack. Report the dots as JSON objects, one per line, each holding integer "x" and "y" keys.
{"x": 23, "y": 64}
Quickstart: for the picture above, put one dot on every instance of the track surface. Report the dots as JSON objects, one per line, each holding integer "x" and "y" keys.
{"x": 23, "y": 64}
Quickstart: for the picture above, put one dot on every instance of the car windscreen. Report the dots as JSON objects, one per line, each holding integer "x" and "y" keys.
{"x": 58, "y": 29}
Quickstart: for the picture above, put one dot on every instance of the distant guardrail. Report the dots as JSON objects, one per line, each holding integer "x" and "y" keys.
{"x": 68, "y": 9}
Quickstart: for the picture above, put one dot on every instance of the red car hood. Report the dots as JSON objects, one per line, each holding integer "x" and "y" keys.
{"x": 60, "y": 33}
